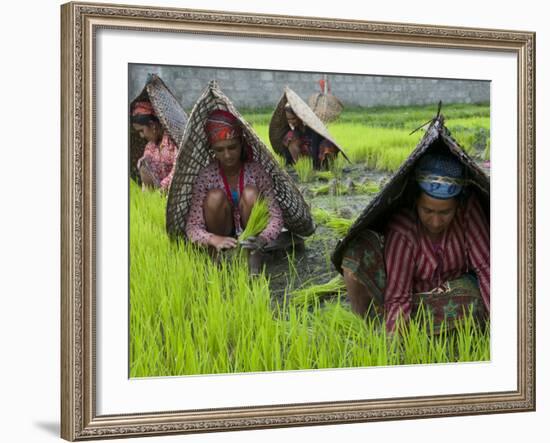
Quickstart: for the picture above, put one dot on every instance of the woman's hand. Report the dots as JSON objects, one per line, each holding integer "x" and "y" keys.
{"x": 147, "y": 177}
{"x": 220, "y": 242}
{"x": 253, "y": 243}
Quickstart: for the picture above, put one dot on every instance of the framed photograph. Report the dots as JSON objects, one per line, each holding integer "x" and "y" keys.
{"x": 137, "y": 358}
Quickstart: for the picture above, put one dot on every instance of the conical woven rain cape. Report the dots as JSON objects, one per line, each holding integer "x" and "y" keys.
{"x": 195, "y": 153}
{"x": 169, "y": 111}
{"x": 278, "y": 126}
{"x": 436, "y": 139}
{"x": 325, "y": 105}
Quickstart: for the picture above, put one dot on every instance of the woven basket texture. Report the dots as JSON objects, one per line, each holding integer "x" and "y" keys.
{"x": 195, "y": 153}
{"x": 325, "y": 106}
{"x": 169, "y": 111}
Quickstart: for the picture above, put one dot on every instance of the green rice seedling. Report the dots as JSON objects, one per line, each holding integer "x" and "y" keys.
{"x": 326, "y": 190}
{"x": 281, "y": 161}
{"x": 472, "y": 340}
{"x": 260, "y": 124}
{"x": 258, "y": 220}
{"x": 466, "y": 139}
{"x": 393, "y": 354}
{"x": 386, "y": 148}
{"x": 472, "y": 122}
{"x": 391, "y": 158}
{"x": 471, "y": 133}
{"x": 408, "y": 117}
{"x": 343, "y": 320}
{"x": 257, "y": 116}
{"x": 324, "y": 175}
{"x": 339, "y": 225}
{"x": 441, "y": 347}
{"x": 327, "y": 249}
{"x": 292, "y": 268}
{"x": 334, "y": 200}
{"x": 415, "y": 339}
{"x": 487, "y": 151}
{"x": 333, "y": 318}
{"x": 304, "y": 169}
{"x": 337, "y": 165}
{"x": 419, "y": 343}
{"x": 367, "y": 188}
{"x": 321, "y": 190}
{"x": 307, "y": 295}
{"x": 320, "y": 216}
{"x": 367, "y": 144}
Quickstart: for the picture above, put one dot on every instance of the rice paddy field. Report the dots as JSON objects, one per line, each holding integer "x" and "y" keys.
{"x": 190, "y": 314}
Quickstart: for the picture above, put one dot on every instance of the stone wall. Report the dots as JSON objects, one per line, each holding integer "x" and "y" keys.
{"x": 254, "y": 88}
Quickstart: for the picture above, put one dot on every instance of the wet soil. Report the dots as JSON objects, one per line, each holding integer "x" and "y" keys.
{"x": 311, "y": 264}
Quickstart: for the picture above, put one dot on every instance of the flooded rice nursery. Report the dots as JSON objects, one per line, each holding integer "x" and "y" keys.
{"x": 343, "y": 201}
{"x": 197, "y": 305}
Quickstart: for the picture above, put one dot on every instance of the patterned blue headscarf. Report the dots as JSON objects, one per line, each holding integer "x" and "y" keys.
{"x": 440, "y": 176}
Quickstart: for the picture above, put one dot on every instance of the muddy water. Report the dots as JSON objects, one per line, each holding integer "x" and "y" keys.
{"x": 311, "y": 264}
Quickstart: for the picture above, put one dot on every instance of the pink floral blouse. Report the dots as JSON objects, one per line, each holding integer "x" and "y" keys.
{"x": 161, "y": 159}
{"x": 210, "y": 178}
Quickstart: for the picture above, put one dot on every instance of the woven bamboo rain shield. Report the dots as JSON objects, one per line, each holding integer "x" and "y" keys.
{"x": 325, "y": 105}
{"x": 437, "y": 138}
{"x": 195, "y": 153}
{"x": 278, "y": 125}
{"x": 169, "y": 111}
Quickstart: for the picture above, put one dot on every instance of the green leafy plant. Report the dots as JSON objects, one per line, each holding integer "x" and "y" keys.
{"x": 340, "y": 225}
{"x": 258, "y": 220}
{"x": 338, "y": 189}
{"x": 307, "y": 295}
{"x": 324, "y": 175}
{"x": 304, "y": 169}
{"x": 320, "y": 216}
{"x": 367, "y": 188}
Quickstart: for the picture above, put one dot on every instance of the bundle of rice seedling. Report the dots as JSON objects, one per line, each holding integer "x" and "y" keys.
{"x": 304, "y": 169}
{"x": 320, "y": 190}
{"x": 259, "y": 218}
{"x": 368, "y": 188}
{"x": 308, "y": 295}
{"x": 336, "y": 166}
{"x": 332, "y": 189}
{"x": 339, "y": 225}
{"x": 325, "y": 175}
{"x": 320, "y": 215}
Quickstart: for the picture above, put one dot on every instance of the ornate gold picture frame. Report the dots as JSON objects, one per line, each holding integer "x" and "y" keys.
{"x": 80, "y": 396}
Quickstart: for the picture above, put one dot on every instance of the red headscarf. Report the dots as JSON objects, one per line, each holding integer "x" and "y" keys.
{"x": 143, "y": 108}
{"x": 222, "y": 125}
